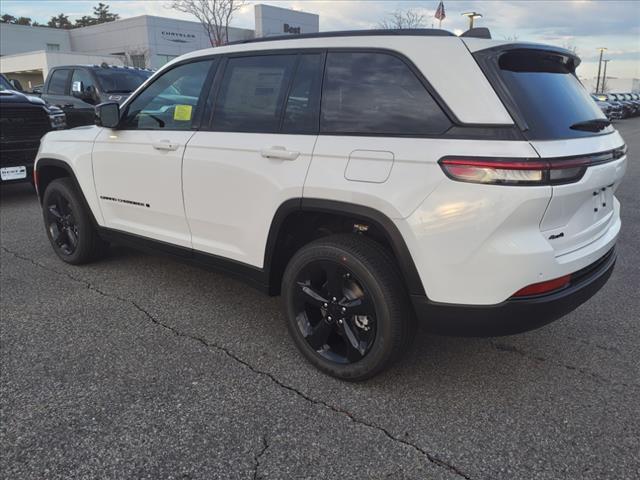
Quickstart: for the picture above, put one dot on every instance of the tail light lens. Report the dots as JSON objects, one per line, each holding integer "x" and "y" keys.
{"x": 544, "y": 287}
{"x": 501, "y": 171}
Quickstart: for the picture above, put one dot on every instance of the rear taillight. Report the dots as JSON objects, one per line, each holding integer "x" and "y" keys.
{"x": 524, "y": 171}
{"x": 544, "y": 287}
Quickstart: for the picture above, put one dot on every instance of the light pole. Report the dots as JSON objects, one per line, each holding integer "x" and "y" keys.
{"x": 471, "y": 16}
{"x": 604, "y": 75}
{"x": 602, "y": 49}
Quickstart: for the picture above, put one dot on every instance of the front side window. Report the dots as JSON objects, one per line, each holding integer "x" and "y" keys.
{"x": 81, "y": 75}
{"x": 169, "y": 103}
{"x": 252, "y": 93}
{"x": 58, "y": 82}
{"x": 376, "y": 93}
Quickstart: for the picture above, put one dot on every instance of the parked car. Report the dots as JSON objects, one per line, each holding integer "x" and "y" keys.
{"x": 603, "y": 105}
{"x": 612, "y": 98}
{"x": 23, "y": 121}
{"x": 634, "y": 101}
{"x": 628, "y": 108}
{"x": 77, "y": 89}
{"x": 350, "y": 173}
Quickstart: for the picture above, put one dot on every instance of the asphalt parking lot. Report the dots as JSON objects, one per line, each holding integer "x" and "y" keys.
{"x": 142, "y": 367}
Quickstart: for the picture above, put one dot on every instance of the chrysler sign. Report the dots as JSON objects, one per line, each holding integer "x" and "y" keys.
{"x": 178, "y": 37}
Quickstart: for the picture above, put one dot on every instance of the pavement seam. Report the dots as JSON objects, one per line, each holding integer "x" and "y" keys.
{"x": 430, "y": 457}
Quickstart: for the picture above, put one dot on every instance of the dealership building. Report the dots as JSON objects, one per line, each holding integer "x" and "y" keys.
{"x": 28, "y": 53}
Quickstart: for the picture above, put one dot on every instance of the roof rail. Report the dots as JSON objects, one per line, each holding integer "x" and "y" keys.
{"x": 416, "y": 32}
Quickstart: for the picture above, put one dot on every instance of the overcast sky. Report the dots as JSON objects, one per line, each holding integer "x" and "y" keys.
{"x": 584, "y": 24}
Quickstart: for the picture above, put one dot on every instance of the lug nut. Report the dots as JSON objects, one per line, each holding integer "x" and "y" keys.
{"x": 343, "y": 309}
{"x": 340, "y": 321}
{"x": 334, "y": 299}
{"x": 329, "y": 318}
{"x": 325, "y": 305}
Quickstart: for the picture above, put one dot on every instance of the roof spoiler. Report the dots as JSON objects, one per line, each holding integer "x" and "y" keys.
{"x": 479, "y": 32}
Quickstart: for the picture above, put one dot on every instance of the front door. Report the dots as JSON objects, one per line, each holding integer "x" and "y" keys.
{"x": 138, "y": 166}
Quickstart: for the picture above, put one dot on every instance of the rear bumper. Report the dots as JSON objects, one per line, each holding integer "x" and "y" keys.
{"x": 514, "y": 315}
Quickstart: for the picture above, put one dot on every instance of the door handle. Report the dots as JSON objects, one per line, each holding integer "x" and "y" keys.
{"x": 165, "y": 145}
{"x": 279, "y": 152}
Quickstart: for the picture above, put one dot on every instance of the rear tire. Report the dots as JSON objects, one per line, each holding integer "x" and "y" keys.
{"x": 347, "y": 309}
{"x": 68, "y": 224}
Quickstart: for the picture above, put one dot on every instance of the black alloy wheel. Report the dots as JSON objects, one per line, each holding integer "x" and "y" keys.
{"x": 334, "y": 312}
{"x": 61, "y": 223}
{"x": 70, "y": 228}
{"x": 347, "y": 308}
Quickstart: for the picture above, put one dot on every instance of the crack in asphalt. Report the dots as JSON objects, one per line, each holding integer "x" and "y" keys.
{"x": 210, "y": 345}
{"x": 505, "y": 347}
{"x": 256, "y": 458}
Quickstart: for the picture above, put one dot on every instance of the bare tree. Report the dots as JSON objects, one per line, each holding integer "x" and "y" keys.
{"x": 402, "y": 19}
{"x": 214, "y": 15}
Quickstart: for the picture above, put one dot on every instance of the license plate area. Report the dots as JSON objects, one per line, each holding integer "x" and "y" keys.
{"x": 13, "y": 173}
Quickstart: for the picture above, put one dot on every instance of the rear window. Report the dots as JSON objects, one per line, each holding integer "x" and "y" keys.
{"x": 548, "y": 96}
{"x": 118, "y": 80}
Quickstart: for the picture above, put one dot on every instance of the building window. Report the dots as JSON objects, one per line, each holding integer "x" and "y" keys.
{"x": 138, "y": 61}
{"x": 53, "y": 47}
{"x": 165, "y": 58}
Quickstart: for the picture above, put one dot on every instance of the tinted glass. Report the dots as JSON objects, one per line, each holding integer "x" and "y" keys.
{"x": 252, "y": 93}
{"x": 548, "y": 94}
{"x": 81, "y": 75}
{"x": 120, "y": 80}
{"x": 58, "y": 82}
{"x": 169, "y": 102}
{"x": 376, "y": 93}
{"x": 4, "y": 85}
{"x": 303, "y": 103}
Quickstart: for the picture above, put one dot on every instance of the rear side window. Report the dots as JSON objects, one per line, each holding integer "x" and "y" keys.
{"x": 548, "y": 96}
{"x": 252, "y": 93}
{"x": 376, "y": 93}
{"x": 303, "y": 102}
{"x": 58, "y": 82}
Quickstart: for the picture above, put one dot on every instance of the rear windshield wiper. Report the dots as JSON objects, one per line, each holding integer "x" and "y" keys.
{"x": 594, "y": 125}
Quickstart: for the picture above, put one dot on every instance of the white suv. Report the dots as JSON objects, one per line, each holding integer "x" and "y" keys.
{"x": 372, "y": 178}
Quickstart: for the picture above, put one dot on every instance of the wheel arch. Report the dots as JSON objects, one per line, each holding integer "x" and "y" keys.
{"x": 48, "y": 169}
{"x": 298, "y": 215}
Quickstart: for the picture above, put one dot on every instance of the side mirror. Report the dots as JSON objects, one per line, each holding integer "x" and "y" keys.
{"x": 108, "y": 114}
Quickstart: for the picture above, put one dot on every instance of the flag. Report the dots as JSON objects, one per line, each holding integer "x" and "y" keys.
{"x": 440, "y": 12}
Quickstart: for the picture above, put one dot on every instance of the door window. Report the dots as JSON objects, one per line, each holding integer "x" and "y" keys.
{"x": 303, "y": 102}
{"x": 58, "y": 82}
{"x": 252, "y": 93}
{"x": 81, "y": 75}
{"x": 376, "y": 93}
{"x": 169, "y": 103}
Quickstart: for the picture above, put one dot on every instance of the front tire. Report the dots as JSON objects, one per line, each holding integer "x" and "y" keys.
{"x": 68, "y": 224}
{"x": 347, "y": 309}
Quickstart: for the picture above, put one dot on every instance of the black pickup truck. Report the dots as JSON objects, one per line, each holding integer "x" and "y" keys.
{"x": 24, "y": 119}
{"x": 77, "y": 89}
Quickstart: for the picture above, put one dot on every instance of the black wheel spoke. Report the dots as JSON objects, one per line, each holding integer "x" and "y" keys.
{"x": 355, "y": 350}
{"x": 53, "y": 210}
{"x": 319, "y": 334}
{"x": 73, "y": 239}
{"x": 312, "y": 296}
{"x": 335, "y": 281}
{"x": 358, "y": 306}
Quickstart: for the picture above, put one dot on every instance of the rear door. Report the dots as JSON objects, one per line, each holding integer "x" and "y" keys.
{"x": 565, "y": 126}
{"x": 138, "y": 167}
{"x": 256, "y": 153}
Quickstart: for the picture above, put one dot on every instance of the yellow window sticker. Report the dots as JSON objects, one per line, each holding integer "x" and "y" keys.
{"x": 182, "y": 113}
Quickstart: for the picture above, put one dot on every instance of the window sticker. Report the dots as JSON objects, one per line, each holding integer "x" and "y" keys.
{"x": 182, "y": 113}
